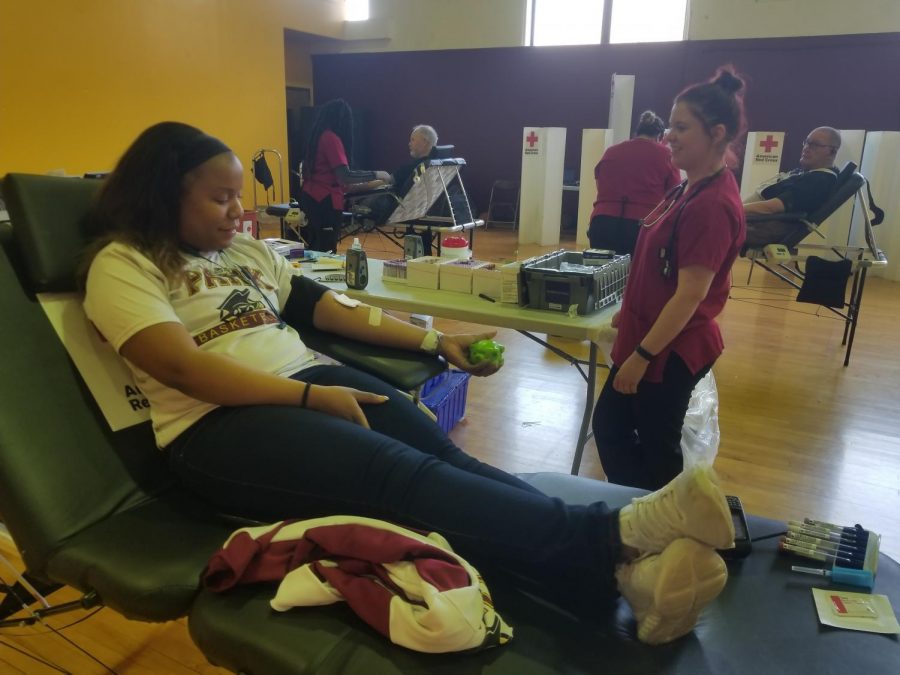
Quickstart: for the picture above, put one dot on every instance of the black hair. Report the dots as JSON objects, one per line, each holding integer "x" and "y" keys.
{"x": 335, "y": 116}
{"x": 140, "y": 201}
{"x": 650, "y": 124}
{"x": 719, "y": 101}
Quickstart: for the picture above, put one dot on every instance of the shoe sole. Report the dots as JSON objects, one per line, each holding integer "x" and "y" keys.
{"x": 720, "y": 531}
{"x": 691, "y": 576}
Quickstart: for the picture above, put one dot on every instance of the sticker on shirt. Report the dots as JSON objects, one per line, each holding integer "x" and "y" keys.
{"x": 238, "y": 312}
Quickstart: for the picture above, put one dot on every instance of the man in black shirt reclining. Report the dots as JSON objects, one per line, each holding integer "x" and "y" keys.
{"x": 422, "y": 142}
{"x": 802, "y": 190}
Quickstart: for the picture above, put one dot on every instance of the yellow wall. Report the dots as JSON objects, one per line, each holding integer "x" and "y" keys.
{"x": 79, "y": 80}
{"x": 298, "y": 70}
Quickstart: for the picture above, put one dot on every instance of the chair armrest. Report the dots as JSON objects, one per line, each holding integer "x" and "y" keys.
{"x": 780, "y": 217}
{"x": 384, "y": 189}
{"x": 400, "y": 368}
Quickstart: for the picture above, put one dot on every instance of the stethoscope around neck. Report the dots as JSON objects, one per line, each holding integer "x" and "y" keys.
{"x": 666, "y": 254}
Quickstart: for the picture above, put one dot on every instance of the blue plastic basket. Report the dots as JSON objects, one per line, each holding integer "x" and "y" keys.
{"x": 434, "y": 383}
{"x": 447, "y": 400}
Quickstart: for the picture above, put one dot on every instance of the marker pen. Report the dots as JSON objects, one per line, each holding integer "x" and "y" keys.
{"x": 486, "y": 297}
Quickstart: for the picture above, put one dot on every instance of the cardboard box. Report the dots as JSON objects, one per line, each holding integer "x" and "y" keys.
{"x": 510, "y": 289}
{"x": 424, "y": 272}
{"x": 394, "y": 271}
{"x": 456, "y": 275}
{"x": 487, "y": 281}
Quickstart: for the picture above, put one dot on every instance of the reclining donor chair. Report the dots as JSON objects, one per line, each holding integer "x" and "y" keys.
{"x": 854, "y": 260}
{"x": 98, "y": 510}
{"x": 436, "y": 201}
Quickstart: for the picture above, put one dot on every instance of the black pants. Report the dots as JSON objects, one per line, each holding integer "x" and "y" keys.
{"x": 639, "y": 435}
{"x": 323, "y": 223}
{"x": 271, "y": 462}
{"x": 614, "y": 233}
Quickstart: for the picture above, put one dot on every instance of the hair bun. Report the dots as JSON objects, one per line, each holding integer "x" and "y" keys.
{"x": 647, "y": 117}
{"x": 728, "y": 81}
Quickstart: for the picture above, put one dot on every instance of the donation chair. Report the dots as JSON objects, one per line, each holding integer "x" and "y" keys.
{"x": 847, "y": 183}
{"x": 436, "y": 202}
{"x": 850, "y": 184}
{"x": 99, "y": 511}
{"x": 73, "y": 533}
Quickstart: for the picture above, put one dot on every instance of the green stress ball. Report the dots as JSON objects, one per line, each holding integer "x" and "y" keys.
{"x": 486, "y": 350}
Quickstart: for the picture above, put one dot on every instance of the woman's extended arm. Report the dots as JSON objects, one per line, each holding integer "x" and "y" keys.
{"x": 370, "y": 324}
{"x": 348, "y": 176}
{"x": 693, "y": 285}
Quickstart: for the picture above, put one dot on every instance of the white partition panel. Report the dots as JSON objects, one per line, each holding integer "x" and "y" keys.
{"x": 594, "y": 143}
{"x": 762, "y": 159}
{"x": 881, "y": 165}
{"x": 837, "y": 227}
{"x": 621, "y": 104}
{"x": 540, "y": 201}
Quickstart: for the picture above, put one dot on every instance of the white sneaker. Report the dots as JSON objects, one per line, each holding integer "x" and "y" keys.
{"x": 691, "y": 505}
{"x": 668, "y": 590}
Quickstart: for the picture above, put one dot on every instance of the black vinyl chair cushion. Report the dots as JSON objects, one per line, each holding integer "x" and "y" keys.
{"x": 49, "y": 252}
{"x": 144, "y": 563}
{"x": 763, "y": 622}
{"x": 401, "y": 369}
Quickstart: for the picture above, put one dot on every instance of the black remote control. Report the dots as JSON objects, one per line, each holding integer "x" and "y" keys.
{"x": 742, "y": 545}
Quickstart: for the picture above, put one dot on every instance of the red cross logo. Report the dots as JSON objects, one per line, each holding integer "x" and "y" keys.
{"x": 531, "y": 139}
{"x": 768, "y": 144}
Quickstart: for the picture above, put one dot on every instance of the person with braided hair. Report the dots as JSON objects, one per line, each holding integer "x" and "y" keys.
{"x": 327, "y": 174}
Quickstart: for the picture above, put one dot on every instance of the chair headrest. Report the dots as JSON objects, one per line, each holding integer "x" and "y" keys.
{"x": 47, "y": 215}
{"x": 450, "y": 161}
{"x": 846, "y": 171}
{"x": 442, "y": 151}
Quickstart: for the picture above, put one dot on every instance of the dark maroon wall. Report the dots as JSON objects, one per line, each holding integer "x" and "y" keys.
{"x": 480, "y": 99}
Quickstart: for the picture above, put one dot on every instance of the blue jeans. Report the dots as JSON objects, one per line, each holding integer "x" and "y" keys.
{"x": 638, "y": 435}
{"x": 273, "y": 462}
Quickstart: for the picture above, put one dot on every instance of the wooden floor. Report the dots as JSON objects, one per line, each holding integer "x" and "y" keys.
{"x": 801, "y": 436}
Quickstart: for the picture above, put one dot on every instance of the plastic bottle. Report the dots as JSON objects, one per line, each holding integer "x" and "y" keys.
{"x": 356, "y": 266}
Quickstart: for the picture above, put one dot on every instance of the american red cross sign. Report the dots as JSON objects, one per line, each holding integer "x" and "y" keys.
{"x": 768, "y": 143}
{"x": 531, "y": 139}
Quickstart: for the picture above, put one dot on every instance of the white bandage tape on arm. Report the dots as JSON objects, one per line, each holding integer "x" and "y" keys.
{"x": 375, "y": 316}
{"x": 431, "y": 344}
{"x": 346, "y": 301}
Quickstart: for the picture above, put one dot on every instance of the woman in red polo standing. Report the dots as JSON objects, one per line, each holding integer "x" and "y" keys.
{"x": 668, "y": 338}
{"x": 327, "y": 173}
{"x": 632, "y": 176}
